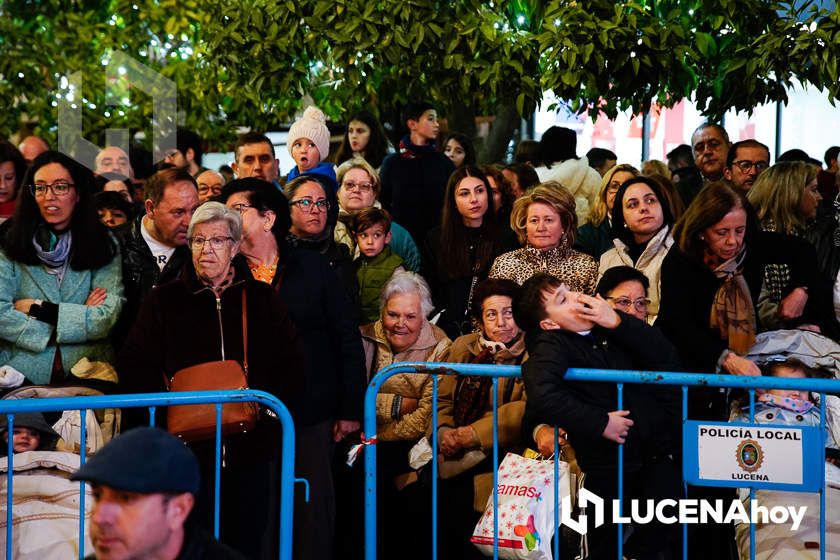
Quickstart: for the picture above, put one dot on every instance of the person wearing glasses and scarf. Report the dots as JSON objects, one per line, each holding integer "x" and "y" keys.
{"x": 61, "y": 287}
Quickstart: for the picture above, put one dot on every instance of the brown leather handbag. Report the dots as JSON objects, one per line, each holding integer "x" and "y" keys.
{"x": 196, "y": 422}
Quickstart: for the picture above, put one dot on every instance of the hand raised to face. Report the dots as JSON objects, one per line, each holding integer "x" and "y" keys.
{"x": 597, "y": 310}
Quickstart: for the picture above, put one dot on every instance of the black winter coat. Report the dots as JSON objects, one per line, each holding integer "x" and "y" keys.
{"x": 581, "y": 408}
{"x": 688, "y": 289}
{"x": 413, "y": 190}
{"x": 335, "y": 378}
{"x": 140, "y": 274}
{"x": 179, "y": 326}
{"x": 453, "y": 294}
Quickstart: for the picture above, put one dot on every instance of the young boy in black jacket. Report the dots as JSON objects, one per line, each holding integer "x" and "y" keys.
{"x": 567, "y": 329}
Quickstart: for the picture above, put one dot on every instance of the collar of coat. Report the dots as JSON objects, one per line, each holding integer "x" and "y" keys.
{"x": 659, "y": 243}
{"x": 430, "y": 337}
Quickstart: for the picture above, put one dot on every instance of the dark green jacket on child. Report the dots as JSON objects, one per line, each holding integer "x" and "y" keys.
{"x": 373, "y": 274}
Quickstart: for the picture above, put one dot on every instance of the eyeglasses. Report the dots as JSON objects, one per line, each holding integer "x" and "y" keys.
{"x": 640, "y": 304}
{"x": 745, "y": 165}
{"x": 216, "y": 243}
{"x": 59, "y": 188}
{"x": 204, "y": 189}
{"x": 308, "y": 205}
{"x": 361, "y": 187}
{"x": 241, "y": 207}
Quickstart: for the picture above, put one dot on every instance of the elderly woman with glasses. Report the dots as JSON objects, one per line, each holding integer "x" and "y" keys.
{"x": 330, "y": 405}
{"x": 61, "y": 285}
{"x": 358, "y": 189}
{"x": 625, "y": 288}
{"x": 197, "y": 318}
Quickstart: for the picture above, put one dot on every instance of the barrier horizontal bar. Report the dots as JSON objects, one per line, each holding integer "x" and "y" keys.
{"x": 615, "y": 376}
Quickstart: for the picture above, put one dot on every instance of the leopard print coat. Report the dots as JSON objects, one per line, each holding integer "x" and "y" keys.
{"x": 577, "y": 270}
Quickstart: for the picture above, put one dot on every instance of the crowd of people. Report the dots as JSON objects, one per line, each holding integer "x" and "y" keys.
{"x": 413, "y": 251}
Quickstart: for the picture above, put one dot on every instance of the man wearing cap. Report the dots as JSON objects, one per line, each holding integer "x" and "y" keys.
{"x": 144, "y": 486}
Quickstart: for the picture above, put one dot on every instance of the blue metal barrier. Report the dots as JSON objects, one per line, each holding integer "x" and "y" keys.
{"x": 151, "y": 401}
{"x": 685, "y": 380}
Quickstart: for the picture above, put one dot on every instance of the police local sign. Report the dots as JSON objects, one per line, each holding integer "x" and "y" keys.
{"x": 752, "y": 455}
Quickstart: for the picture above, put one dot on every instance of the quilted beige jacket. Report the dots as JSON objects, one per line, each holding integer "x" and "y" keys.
{"x": 431, "y": 346}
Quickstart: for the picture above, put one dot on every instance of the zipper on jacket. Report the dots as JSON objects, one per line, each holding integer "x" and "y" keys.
{"x": 221, "y": 328}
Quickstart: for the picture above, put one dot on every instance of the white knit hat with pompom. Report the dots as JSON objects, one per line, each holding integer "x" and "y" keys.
{"x": 312, "y": 125}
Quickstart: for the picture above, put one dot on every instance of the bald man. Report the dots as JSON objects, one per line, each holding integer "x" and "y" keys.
{"x": 113, "y": 160}
{"x": 32, "y": 147}
{"x": 210, "y": 184}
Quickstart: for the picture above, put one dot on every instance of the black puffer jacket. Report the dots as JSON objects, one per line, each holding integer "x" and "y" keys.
{"x": 582, "y": 408}
{"x": 413, "y": 187}
{"x": 140, "y": 274}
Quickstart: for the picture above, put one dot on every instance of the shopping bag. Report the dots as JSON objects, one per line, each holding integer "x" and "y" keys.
{"x": 526, "y": 509}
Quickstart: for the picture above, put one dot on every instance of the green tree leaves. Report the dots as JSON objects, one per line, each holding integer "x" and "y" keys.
{"x": 252, "y": 63}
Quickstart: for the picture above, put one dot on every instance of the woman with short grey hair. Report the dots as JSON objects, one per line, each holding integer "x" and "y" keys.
{"x": 216, "y": 211}
{"x": 403, "y": 333}
{"x": 409, "y": 283}
{"x": 198, "y": 318}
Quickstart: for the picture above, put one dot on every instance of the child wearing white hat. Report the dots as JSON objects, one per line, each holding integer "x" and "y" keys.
{"x": 309, "y": 145}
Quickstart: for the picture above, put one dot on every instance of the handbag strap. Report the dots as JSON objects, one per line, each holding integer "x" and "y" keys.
{"x": 245, "y": 332}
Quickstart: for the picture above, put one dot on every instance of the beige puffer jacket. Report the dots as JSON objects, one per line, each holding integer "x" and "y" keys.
{"x": 431, "y": 346}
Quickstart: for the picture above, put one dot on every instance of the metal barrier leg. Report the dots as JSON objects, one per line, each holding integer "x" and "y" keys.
{"x": 217, "y": 473}
{"x": 10, "y": 419}
{"x": 82, "y": 457}
{"x": 620, "y": 527}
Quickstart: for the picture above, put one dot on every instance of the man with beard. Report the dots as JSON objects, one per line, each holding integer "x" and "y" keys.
{"x": 745, "y": 162}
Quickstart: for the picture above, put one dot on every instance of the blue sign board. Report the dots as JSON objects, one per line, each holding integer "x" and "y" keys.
{"x": 760, "y": 456}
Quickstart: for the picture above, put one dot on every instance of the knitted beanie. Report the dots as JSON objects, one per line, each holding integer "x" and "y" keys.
{"x": 312, "y": 125}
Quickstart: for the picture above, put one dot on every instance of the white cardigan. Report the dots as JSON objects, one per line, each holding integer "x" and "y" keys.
{"x": 649, "y": 263}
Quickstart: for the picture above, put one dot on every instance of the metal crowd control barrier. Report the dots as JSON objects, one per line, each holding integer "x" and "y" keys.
{"x": 618, "y": 377}
{"x": 152, "y": 401}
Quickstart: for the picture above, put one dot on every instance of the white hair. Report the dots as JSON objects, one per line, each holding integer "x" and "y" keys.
{"x": 217, "y": 212}
{"x": 405, "y": 282}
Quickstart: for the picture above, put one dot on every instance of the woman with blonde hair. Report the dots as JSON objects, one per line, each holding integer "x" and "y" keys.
{"x": 593, "y": 237}
{"x": 545, "y": 222}
{"x": 786, "y": 197}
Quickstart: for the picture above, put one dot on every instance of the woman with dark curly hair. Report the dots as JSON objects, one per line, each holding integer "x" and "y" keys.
{"x": 641, "y": 230}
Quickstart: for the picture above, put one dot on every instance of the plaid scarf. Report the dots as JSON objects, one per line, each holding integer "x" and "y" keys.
{"x": 733, "y": 314}
{"x": 472, "y": 392}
